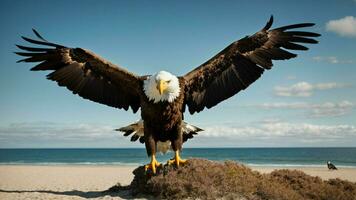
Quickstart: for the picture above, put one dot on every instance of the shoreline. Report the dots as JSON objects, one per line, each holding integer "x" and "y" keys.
{"x": 276, "y": 166}
{"x": 88, "y": 181}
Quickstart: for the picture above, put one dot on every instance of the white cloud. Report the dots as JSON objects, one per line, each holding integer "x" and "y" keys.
{"x": 301, "y": 89}
{"x": 305, "y": 89}
{"x": 282, "y": 105}
{"x": 47, "y": 130}
{"x": 332, "y": 109}
{"x": 327, "y": 109}
{"x": 291, "y": 77}
{"x": 263, "y": 133}
{"x": 345, "y": 26}
{"x": 52, "y": 135}
{"x": 332, "y": 60}
{"x": 274, "y": 130}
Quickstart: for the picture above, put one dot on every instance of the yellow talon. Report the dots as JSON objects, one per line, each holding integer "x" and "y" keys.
{"x": 152, "y": 165}
{"x": 176, "y": 160}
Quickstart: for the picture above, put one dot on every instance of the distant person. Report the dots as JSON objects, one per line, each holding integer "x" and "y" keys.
{"x": 331, "y": 166}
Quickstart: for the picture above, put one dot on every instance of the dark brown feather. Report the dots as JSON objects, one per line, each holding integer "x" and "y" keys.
{"x": 242, "y": 63}
{"x": 42, "y": 42}
{"x": 38, "y": 35}
{"x": 302, "y": 33}
{"x": 48, "y": 65}
{"x": 85, "y": 73}
{"x": 293, "y": 46}
{"x": 33, "y": 49}
{"x": 302, "y": 25}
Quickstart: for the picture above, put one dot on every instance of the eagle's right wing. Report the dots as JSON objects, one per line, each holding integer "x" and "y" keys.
{"x": 85, "y": 73}
{"x": 242, "y": 63}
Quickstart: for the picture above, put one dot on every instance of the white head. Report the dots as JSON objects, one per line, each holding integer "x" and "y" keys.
{"x": 162, "y": 86}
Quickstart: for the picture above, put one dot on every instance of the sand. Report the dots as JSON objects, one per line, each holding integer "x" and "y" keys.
{"x": 61, "y": 182}
{"x": 81, "y": 182}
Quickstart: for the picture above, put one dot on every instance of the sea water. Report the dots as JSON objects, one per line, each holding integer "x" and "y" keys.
{"x": 278, "y": 157}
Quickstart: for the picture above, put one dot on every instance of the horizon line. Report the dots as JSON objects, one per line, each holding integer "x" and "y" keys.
{"x": 183, "y": 148}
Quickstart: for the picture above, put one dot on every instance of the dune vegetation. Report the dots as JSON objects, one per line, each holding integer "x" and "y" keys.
{"x": 204, "y": 179}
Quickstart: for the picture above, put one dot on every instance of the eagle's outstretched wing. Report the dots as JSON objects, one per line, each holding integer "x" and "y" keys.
{"x": 242, "y": 63}
{"x": 84, "y": 73}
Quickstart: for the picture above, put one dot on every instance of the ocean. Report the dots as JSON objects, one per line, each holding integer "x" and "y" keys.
{"x": 278, "y": 157}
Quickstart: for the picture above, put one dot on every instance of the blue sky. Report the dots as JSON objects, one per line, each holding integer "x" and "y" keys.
{"x": 307, "y": 101}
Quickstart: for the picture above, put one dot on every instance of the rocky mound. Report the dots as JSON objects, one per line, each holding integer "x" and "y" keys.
{"x": 204, "y": 179}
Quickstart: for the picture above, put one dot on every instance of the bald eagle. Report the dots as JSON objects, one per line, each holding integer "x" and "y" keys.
{"x": 163, "y": 97}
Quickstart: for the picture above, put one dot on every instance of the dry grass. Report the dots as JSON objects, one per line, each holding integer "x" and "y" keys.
{"x": 310, "y": 187}
{"x": 204, "y": 179}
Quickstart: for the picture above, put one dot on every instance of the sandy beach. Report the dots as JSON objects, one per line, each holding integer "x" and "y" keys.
{"x": 80, "y": 182}
{"x": 61, "y": 182}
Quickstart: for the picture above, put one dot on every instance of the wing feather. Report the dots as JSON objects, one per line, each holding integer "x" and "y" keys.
{"x": 242, "y": 63}
{"x": 84, "y": 73}
{"x": 33, "y": 49}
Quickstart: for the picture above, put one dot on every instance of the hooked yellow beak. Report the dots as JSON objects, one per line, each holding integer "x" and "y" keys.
{"x": 162, "y": 86}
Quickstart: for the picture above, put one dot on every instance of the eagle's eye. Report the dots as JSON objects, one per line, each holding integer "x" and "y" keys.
{"x": 168, "y": 81}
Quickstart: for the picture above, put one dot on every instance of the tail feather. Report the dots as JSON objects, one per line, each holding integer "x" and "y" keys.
{"x": 136, "y": 130}
{"x": 189, "y": 131}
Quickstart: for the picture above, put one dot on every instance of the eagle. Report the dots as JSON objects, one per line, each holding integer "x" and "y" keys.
{"x": 331, "y": 166}
{"x": 162, "y": 98}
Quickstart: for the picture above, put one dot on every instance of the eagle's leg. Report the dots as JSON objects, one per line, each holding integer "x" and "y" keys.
{"x": 151, "y": 151}
{"x": 176, "y": 160}
{"x": 153, "y": 164}
{"x": 177, "y": 146}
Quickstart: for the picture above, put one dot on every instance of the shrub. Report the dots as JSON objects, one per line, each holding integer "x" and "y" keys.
{"x": 204, "y": 179}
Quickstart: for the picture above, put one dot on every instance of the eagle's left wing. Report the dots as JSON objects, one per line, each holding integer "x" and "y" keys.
{"x": 242, "y": 63}
{"x": 85, "y": 73}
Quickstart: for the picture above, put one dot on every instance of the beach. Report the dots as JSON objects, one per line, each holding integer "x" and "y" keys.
{"x": 59, "y": 182}
{"x": 83, "y": 181}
